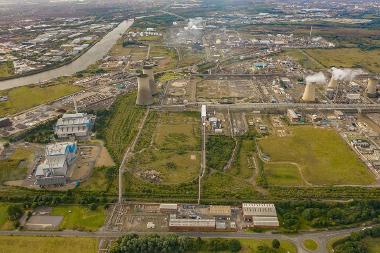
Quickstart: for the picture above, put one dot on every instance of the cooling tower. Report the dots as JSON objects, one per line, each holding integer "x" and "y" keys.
{"x": 144, "y": 94}
{"x": 333, "y": 83}
{"x": 148, "y": 70}
{"x": 372, "y": 88}
{"x": 309, "y": 93}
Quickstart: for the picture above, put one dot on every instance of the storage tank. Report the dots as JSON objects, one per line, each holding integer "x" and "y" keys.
{"x": 144, "y": 93}
{"x": 148, "y": 70}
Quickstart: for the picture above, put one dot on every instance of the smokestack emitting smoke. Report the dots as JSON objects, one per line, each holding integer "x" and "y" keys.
{"x": 345, "y": 74}
{"x": 144, "y": 94}
{"x": 148, "y": 70}
{"x": 311, "y": 81}
{"x": 372, "y": 88}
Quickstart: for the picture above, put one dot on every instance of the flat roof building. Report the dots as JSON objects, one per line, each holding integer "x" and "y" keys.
{"x": 168, "y": 208}
{"x": 77, "y": 125}
{"x": 260, "y": 215}
{"x": 192, "y": 224}
{"x": 221, "y": 211}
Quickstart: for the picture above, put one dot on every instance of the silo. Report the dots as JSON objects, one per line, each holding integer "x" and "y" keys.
{"x": 333, "y": 83}
{"x": 144, "y": 94}
{"x": 148, "y": 70}
{"x": 309, "y": 93}
{"x": 372, "y": 88}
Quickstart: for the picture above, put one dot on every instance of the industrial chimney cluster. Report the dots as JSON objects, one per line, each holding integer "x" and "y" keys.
{"x": 146, "y": 87}
{"x": 309, "y": 93}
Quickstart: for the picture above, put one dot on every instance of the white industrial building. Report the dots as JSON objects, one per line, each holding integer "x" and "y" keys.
{"x": 260, "y": 215}
{"x": 58, "y": 159}
{"x": 77, "y": 125}
{"x": 192, "y": 224}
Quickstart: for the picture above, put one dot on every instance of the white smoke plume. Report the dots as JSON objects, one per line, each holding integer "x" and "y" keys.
{"x": 345, "y": 74}
{"x": 318, "y": 78}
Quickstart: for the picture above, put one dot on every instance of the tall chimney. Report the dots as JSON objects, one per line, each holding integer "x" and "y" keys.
{"x": 333, "y": 83}
{"x": 148, "y": 70}
{"x": 144, "y": 94}
{"x": 372, "y": 88}
{"x": 309, "y": 93}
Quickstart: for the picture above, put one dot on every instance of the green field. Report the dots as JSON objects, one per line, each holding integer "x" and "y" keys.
{"x": 168, "y": 57}
{"x": 20, "y": 98}
{"x": 283, "y": 174}
{"x": 15, "y": 168}
{"x": 244, "y": 166}
{"x": 122, "y": 125}
{"x": 5, "y": 223}
{"x": 98, "y": 182}
{"x": 6, "y": 69}
{"x": 34, "y": 244}
{"x": 249, "y": 246}
{"x": 322, "y": 154}
{"x": 338, "y": 57}
{"x": 170, "y": 145}
{"x": 373, "y": 244}
{"x": 310, "y": 244}
{"x": 80, "y": 217}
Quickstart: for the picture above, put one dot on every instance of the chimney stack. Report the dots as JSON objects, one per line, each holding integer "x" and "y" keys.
{"x": 144, "y": 94}
{"x": 148, "y": 70}
{"x": 333, "y": 83}
{"x": 309, "y": 93}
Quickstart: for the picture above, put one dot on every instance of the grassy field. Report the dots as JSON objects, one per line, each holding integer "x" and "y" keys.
{"x": 244, "y": 165}
{"x": 249, "y": 245}
{"x": 322, "y": 154}
{"x": 20, "y": 98}
{"x": 15, "y": 168}
{"x": 6, "y": 69}
{"x": 169, "y": 57}
{"x": 338, "y": 57}
{"x": 283, "y": 175}
{"x": 122, "y": 125}
{"x": 5, "y": 223}
{"x": 373, "y": 245}
{"x": 170, "y": 144}
{"x": 98, "y": 182}
{"x": 80, "y": 217}
{"x": 136, "y": 53}
{"x": 34, "y": 244}
{"x": 310, "y": 244}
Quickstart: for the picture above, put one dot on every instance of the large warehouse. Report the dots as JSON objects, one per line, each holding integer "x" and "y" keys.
{"x": 58, "y": 159}
{"x": 260, "y": 215}
{"x": 77, "y": 125}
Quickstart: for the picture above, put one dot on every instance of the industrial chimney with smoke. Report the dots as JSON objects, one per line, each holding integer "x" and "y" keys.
{"x": 372, "y": 88}
{"x": 144, "y": 93}
{"x": 148, "y": 70}
{"x": 309, "y": 93}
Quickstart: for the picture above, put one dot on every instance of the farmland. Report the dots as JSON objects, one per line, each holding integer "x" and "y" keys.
{"x": 324, "y": 157}
{"x": 19, "y": 99}
{"x": 34, "y": 244}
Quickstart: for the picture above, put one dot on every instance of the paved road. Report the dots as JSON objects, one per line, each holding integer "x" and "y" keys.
{"x": 321, "y": 237}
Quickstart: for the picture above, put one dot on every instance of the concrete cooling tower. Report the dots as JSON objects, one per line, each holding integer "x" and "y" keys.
{"x": 309, "y": 93}
{"x": 144, "y": 94}
{"x": 333, "y": 83}
{"x": 372, "y": 88}
{"x": 148, "y": 70}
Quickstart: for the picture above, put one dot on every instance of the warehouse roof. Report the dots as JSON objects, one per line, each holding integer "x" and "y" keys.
{"x": 250, "y": 209}
{"x": 265, "y": 221}
{"x": 192, "y": 223}
{"x": 220, "y": 210}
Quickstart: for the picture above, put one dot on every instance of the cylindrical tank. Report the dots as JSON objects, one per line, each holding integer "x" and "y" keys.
{"x": 309, "y": 93}
{"x": 148, "y": 70}
{"x": 333, "y": 83}
{"x": 144, "y": 94}
{"x": 372, "y": 88}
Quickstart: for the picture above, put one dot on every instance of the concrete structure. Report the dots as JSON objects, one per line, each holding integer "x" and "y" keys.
{"x": 309, "y": 93}
{"x": 58, "y": 159}
{"x": 333, "y": 83}
{"x": 220, "y": 211}
{"x": 148, "y": 70}
{"x": 292, "y": 116}
{"x": 191, "y": 224}
{"x": 144, "y": 93}
{"x": 265, "y": 222}
{"x": 372, "y": 88}
{"x": 77, "y": 125}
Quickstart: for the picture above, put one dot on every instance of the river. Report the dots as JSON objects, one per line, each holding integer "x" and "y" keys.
{"x": 95, "y": 53}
